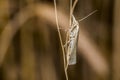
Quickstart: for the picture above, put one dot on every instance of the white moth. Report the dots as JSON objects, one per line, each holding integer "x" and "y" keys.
{"x": 73, "y": 37}
{"x": 72, "y": 41}
{"x": 71, "y": 44}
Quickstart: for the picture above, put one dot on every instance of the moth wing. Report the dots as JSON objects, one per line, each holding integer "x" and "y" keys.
{"x": 72, "y": 59}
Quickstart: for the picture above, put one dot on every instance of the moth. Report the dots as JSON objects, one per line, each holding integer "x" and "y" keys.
{"x": 72, "y": 40}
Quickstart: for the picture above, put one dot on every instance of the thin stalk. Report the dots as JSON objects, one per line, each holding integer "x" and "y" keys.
{"x": 63, "y": 51}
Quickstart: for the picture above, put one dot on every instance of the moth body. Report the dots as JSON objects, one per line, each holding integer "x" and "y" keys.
{"x": 73, "y": 39}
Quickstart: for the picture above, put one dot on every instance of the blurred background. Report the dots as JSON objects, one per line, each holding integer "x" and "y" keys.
{"x": 30, "y": 47}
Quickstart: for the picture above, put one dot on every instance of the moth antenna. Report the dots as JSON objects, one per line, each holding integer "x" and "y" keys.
{"x": 87, "y": 16}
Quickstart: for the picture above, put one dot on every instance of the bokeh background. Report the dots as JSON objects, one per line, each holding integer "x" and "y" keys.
{"x": 30, "y": 47}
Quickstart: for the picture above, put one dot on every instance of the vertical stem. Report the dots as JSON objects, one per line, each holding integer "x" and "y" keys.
{"x": 63, "y": 51}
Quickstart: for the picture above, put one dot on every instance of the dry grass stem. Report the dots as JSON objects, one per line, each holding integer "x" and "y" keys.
{"x": 61, "y": 42}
